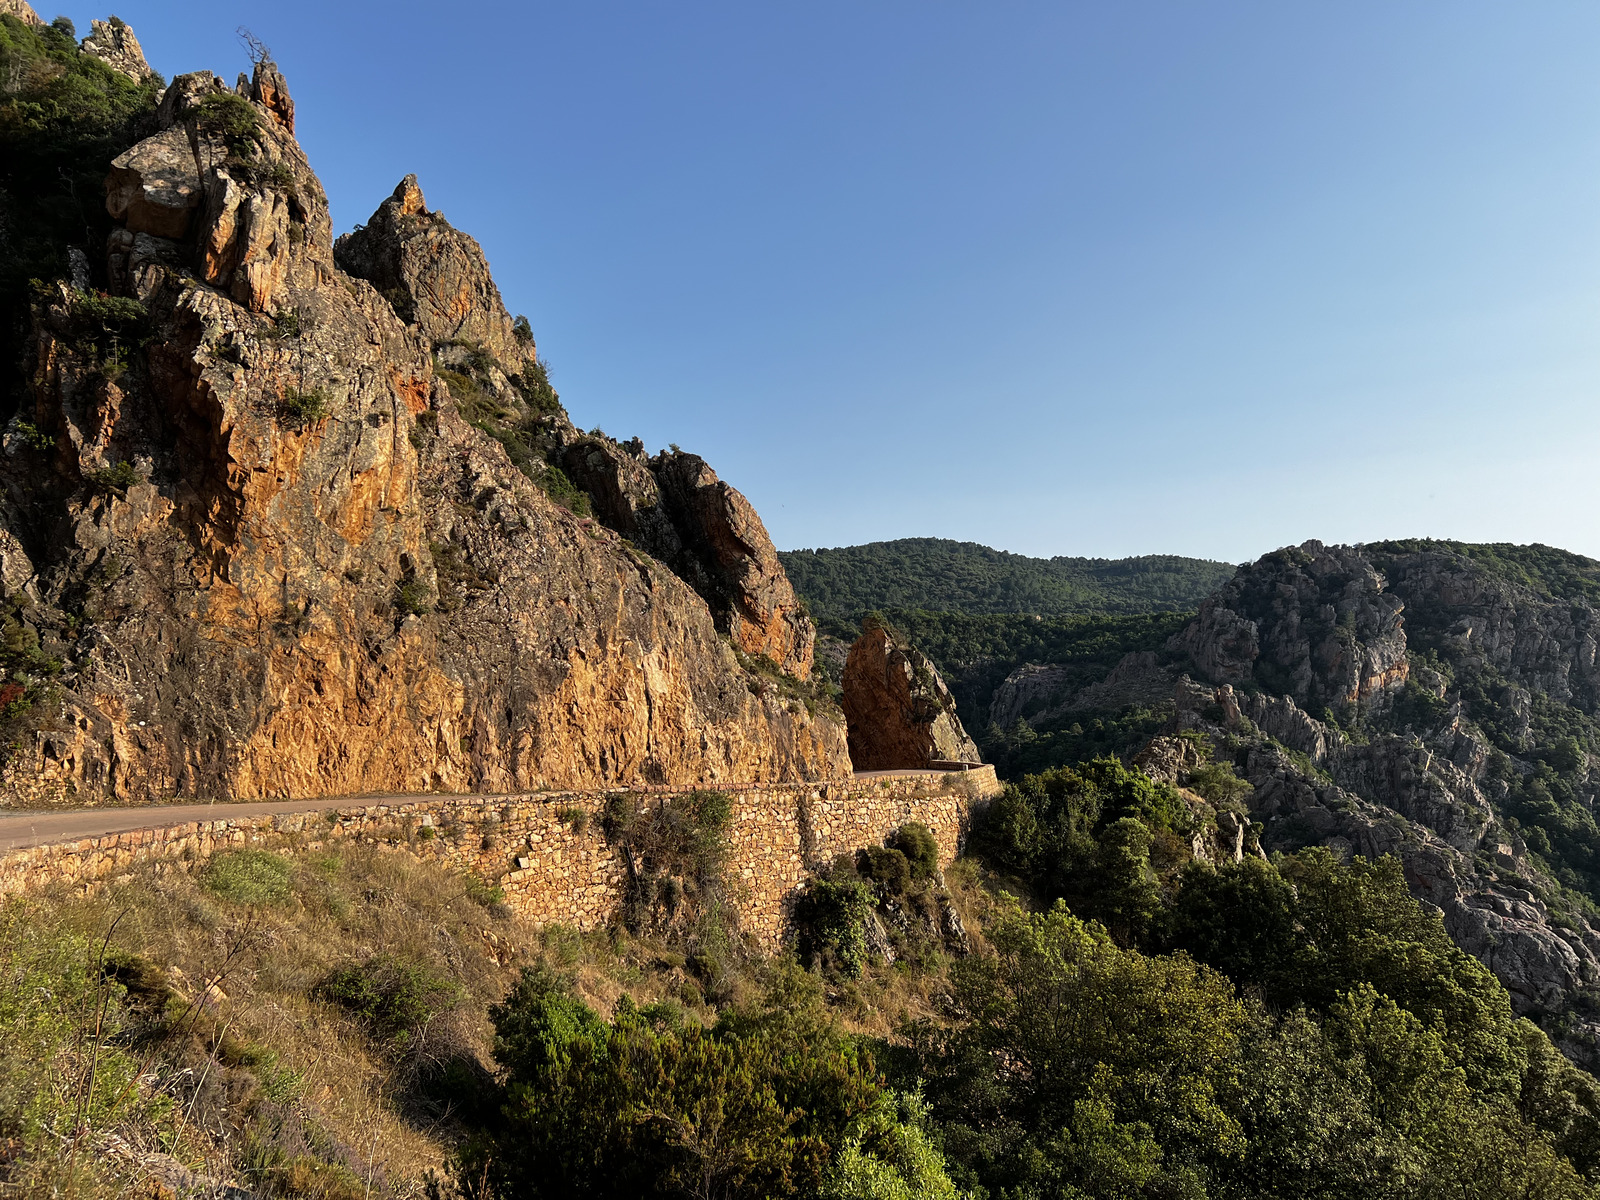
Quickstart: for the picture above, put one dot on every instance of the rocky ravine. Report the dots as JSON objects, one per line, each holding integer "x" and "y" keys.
{"x": 250, "y": 546}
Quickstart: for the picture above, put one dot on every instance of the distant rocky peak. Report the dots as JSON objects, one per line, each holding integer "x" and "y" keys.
{"x": 1314, "y": 622}
{"x": 113, "y": 43}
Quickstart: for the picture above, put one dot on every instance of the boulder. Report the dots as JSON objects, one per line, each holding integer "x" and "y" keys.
{"x": 899, "y": 713}
{"x": 729, "y": 559}
{"x": 155, "y": 187}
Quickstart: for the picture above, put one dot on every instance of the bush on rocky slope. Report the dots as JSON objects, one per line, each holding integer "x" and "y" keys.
{"x": 64, "y": 116}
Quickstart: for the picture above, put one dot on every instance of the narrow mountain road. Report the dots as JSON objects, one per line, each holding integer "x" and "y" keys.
{"x": 20, "y": 830}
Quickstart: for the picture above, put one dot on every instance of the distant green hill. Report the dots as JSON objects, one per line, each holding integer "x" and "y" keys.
{"x": 938, "y": 575}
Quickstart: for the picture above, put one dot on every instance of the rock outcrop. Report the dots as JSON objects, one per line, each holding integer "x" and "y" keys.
{"x": 250, "y": 547}
{"x": 1313, "y": 787}
{"x": 21, "y": 10}
{"x": 1454, "y": 606}
{"x": 1316, "y": 631}
{"x": 113, "y": 43}
{"x": 674, "y": 508}
{"x": 434, "y": 276}
{"x": 899, "y": 711}
{"x": 1313, "y": 622}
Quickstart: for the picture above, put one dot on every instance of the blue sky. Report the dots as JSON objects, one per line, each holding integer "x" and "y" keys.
{"x": 1063, "y": 278}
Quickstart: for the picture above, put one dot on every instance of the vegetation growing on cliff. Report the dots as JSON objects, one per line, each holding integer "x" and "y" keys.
{"x": 64, "y": 115}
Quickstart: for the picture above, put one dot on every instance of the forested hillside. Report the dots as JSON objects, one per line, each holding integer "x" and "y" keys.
{"x": 963, "y": 577}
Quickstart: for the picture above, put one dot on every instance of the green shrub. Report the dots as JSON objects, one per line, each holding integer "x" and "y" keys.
{"x": 414, "y": 597}
{"x": 115, "y": 479}
{"x": 304, "y": 407}
{"x": 916, "y": 841}
{"x": 676, "y": 848}
{"x": 481, "y": 891}
{"x": 249, "y": 877}
{"x": 33, "y": 437}
{"x": 1220, "y": 784}
{"x": 886, "y": 867}
{"x": 830, "y": 918}
{"x": 560, "y": 488}
{"x": 575, "y": 819}
{"x": 395, "y": 997}
{"x": 534, "y": 384}
{"x": 649, "y": 1105}
{"x": 232, "y": 118}
{"x": 285, "y": 324}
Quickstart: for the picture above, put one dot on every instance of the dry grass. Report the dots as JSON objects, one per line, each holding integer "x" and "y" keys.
{"x": 259, "y": 1057}
{"x": 254, "y": 1077}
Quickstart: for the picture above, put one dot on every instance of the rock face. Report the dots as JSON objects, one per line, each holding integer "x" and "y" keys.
{"x": 900, "y": 713}
{"x": 1398, "y": 797}
{"x": 21, "y": 10}
{"x": 434, "y": 276}
{"x": 249, "y": 546}
{"x": 1313, "y": 622}
{"x": 674, "y": 508}
{"x": 113, "y": 43}
{"x": 1486, "y": 667}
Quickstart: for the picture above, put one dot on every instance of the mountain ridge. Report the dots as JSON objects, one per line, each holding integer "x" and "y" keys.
{"x": 941, "y": 575}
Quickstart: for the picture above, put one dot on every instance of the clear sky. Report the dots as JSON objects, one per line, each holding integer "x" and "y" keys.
{"x": 1064, "y": 277}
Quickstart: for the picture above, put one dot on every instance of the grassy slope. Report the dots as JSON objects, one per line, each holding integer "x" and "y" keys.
{"x": 268, "y": 1082}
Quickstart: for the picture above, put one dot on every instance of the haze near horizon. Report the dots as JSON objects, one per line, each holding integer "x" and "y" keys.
{"x": 1058, "y": 279}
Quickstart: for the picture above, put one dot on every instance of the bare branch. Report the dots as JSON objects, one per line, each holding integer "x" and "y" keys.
{"x": 258, "y": 50}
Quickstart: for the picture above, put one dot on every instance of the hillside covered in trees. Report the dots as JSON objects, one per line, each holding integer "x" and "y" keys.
{"x": 963, "y": 577}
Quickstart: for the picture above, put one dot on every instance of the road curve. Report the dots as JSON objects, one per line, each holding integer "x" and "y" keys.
{"x": 20, "y": 830}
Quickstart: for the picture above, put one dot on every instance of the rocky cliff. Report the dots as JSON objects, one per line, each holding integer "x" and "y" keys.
{"x": 1456, "y": 729}
{"x": 278, "y": 518}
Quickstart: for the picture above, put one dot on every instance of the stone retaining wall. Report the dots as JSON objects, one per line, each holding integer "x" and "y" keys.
{"x": 546, "y": 850}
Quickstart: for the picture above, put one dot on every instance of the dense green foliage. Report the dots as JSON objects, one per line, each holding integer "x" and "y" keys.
{"x": 396, "y": 997}
{"x": 963, "y": 577}
{"x": 975, "y": 653}
{"x": 1084, "y": 1069}
{"x": 1547, "y": 570}
{"x": 1297, "y": 1028}
{"x": 771, "y": 1101}
{"x": 64, "y": 116}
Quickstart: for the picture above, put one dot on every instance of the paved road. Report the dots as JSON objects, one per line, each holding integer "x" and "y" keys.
{"x": 21, "y": 830}
{"x": 18, "y": 831}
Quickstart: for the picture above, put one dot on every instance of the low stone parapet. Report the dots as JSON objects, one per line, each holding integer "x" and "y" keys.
{"x": 547, "y": 851}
